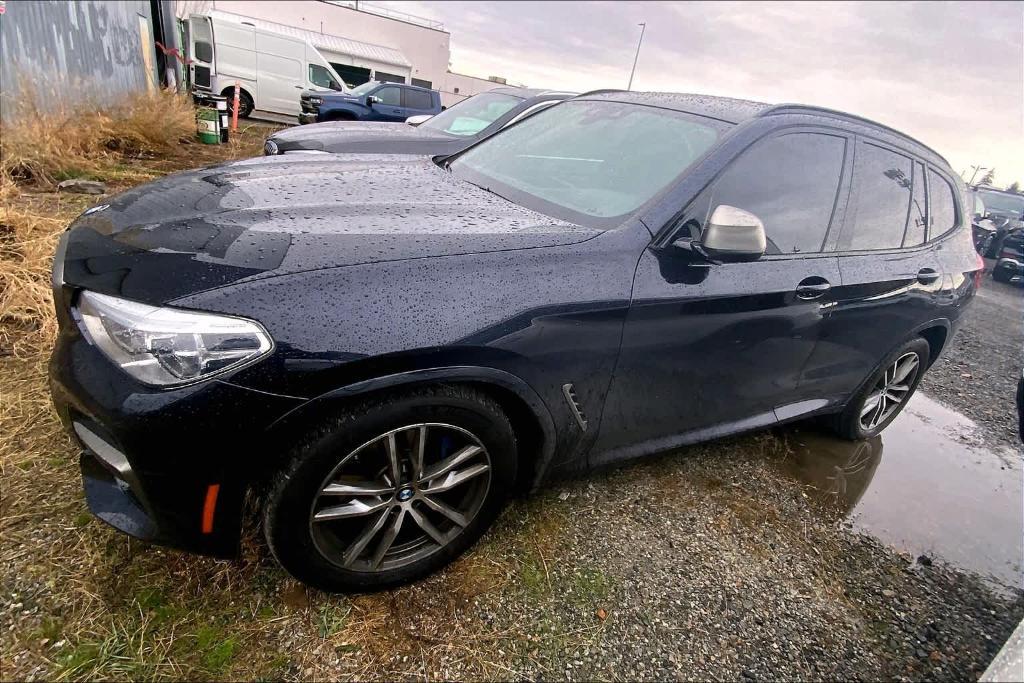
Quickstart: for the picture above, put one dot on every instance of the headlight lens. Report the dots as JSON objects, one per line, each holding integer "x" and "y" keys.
{"x": 168, "y": 346}
{"x": 316, "y": 100}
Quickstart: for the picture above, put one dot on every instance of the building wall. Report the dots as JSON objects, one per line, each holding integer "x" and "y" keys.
{"x": 75, "y": 51}
{"x": 457, "y": 87}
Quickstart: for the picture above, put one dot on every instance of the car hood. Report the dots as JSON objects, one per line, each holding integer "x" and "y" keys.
{"x": 358, "y": 137}
{"x": 271, "y": 216}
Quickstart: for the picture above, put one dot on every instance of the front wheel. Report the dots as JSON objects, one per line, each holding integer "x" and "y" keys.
{"x": 392, "y": 489}
{"x": 886, "y": 394}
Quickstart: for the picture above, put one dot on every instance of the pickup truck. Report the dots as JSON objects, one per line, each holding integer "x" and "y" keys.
{"x": 370, "y": 101}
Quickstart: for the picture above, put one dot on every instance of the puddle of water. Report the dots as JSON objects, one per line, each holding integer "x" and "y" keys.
{"x": 926, "y": 485}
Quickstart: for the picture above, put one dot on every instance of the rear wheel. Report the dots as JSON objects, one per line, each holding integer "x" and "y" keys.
{"x": 392, "y": 490}
{"x": 1001, "y": 274}
{"x": 885, "y": 395}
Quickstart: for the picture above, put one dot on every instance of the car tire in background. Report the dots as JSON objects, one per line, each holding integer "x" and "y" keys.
{"x": 338, "y": 517}
{"x": 245, "y": 103}
{"x": 885, "y": 394}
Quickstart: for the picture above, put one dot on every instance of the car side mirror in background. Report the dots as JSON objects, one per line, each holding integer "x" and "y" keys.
{"x": 733, "y": 235}
{"x": 418, "y": 119}
{"x": 372, "y": 100}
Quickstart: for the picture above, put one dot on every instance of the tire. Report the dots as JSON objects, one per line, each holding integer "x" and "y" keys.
{"x": 341, "y": 117}
{"x": 324, "y": 551}
{"x": 1001, "y": 274}
{"x": 849, "y": 424}
{"x": 245, "y": 103}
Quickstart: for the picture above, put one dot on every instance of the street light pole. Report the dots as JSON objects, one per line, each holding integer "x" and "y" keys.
{"x": 643, "y": 27}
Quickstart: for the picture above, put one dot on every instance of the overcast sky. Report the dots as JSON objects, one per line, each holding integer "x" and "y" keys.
{"x": 950, "y": 74}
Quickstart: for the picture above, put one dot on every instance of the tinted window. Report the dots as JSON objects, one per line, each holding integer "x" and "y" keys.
{"x": 790, "y": 183}
{"x": 918, "y": 209}
{"x": 418, "y": 99}
{"x": 585, "y": 160}
{"x": 391, "y": 96}
{"x": 943, "y": 215}
{"x": 881, "y": 187}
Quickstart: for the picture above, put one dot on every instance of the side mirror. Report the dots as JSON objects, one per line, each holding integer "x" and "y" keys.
{"x": 336, "y": 87}
{"x": 372, "y": 100}
{"x": 418, "y": 119}
{"x": 733, "y": 235}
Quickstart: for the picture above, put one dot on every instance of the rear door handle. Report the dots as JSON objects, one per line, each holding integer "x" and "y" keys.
{"x": 812, "y": 287}
{"x": 926, "y": 276}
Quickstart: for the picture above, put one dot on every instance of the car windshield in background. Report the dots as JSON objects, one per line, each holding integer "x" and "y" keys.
{"x": 472, "y": 115}
{"x": 589, "y": 162}
{"x": 1002, "y": 203}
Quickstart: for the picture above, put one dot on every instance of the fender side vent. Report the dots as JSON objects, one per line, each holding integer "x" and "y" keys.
{"x": 570, "y": 397}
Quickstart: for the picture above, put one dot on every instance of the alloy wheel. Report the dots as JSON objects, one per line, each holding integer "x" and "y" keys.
{"x": 890, "y": 392}
{"x": 400, "y": 497}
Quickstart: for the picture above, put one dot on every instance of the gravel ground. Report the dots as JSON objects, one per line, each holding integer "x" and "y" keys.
{"x": 978, "y": 374}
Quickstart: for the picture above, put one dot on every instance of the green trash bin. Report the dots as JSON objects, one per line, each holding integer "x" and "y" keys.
{"x": 208, "y": 125}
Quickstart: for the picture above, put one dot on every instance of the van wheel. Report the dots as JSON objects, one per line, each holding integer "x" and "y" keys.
{"x": 245, "y": 103}
{"x": 885, "y": 395}
{"x": 392, "y": 489}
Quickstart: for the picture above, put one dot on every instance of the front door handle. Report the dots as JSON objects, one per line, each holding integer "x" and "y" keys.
{"x": 926, "y": 276}
{"x": 812, "y": 287}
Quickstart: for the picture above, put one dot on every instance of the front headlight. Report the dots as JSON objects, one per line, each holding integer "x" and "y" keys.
{"x": 168, "y": 346}
{"x": 316, "y": 100}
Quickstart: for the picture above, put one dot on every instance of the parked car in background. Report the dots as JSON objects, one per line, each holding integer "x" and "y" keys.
{"x": 1009, "y": 266}
{"x": 995, "y": 214}
{"x": 448, "y": 132}
{"x": 371, "y": 101}
{"x": 383, "y": 348}
{"x": 272, "y": 68}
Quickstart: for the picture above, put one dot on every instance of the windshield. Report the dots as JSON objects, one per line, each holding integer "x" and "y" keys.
{"x": 1002, "y": 203}
{"x": 363, "y": 89}
{"x": 589, "y": 162}
{"x": 473, "y": 114}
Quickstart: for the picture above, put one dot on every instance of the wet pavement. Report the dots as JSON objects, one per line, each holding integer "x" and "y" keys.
{"x": 928, "y": 485}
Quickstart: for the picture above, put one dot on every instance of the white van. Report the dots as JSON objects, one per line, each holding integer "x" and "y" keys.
{"x": 273, "y": 68}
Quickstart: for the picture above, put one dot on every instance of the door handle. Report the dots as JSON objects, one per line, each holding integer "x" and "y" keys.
{"x": 926, "y": 276}
{"x": 300, "y": 87}
{"x": 812, "y": 287}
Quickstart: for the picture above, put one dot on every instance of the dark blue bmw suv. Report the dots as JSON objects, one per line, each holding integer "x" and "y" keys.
{"x": 384, "y": 348}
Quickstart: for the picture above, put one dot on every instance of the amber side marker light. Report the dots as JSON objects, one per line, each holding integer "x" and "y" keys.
{"x": 209, "y": 507}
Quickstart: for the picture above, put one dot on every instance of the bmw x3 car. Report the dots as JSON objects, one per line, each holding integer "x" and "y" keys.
{"x": 384, "y": 349}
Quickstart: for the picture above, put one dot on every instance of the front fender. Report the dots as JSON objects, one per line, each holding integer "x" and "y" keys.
{"x": 311, "y": 411}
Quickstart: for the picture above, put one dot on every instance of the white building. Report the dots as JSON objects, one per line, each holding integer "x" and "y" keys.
{"x": 362, "y": 44}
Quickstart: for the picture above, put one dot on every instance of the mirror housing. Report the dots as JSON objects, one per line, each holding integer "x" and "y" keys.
{"x": 372, "y": 100}
{"x": 418, "y": 119}
{"x": 733, "y": 235}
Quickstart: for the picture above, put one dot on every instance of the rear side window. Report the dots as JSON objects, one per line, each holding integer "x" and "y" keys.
{"x": 881, "y": 198}
{"x": 418, "y": 99}
{"x": 943, "y": 214}
{"x": 918, "y": 210}
{"x": 789, "y": 182}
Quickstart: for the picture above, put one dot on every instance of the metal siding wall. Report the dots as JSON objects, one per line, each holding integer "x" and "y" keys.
{"x": 69, "y": 52}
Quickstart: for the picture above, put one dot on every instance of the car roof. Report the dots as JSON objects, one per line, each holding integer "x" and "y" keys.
{"x": 732, "y": 110}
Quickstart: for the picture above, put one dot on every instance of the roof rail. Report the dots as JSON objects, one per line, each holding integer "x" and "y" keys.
{"x": 807, "y": 108}
{"x": 601, "y": 91}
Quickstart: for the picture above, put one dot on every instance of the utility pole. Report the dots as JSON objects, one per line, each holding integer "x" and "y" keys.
{"x": 643, "y": 27}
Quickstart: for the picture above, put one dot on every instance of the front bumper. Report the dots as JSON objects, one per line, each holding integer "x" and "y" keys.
{"x": 169, "y": 466}
{"x": 308, "y": 117}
